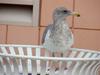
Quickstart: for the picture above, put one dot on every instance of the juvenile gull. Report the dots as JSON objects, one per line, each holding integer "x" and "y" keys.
{"x": 57, "y": 36}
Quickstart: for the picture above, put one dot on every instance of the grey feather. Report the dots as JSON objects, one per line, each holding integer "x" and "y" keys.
{"x": 45, "y": 34}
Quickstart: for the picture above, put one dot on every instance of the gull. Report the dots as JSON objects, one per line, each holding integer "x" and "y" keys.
{"x": 57, "y": 36}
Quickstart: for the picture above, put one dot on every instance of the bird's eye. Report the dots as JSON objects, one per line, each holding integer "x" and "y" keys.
{"x": 65, "y": 11}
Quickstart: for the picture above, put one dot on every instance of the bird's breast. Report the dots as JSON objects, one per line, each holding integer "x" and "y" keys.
{"x": 60, "y": 31}
{"x": 60, "y": 38}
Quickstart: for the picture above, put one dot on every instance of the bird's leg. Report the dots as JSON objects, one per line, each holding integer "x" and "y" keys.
{"x": 53, "y": 54}
{"x": 64, "y": 55}
{"x": 60, "y": 62}
{"x": 55, "y": 63}
{"x": 47, "y": 63}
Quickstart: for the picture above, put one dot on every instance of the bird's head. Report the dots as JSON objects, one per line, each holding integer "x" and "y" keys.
{"x": 62, "y": 13}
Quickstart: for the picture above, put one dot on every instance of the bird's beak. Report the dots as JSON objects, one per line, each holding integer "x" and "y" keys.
{"x": 75, "y": 14}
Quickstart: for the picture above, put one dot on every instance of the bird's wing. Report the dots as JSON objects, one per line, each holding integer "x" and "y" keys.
{"x": 46, "y": 33}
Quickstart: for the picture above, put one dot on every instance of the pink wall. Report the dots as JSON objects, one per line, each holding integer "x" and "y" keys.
{"x": 3, "y": 34}
{"x": 86, "y": 29}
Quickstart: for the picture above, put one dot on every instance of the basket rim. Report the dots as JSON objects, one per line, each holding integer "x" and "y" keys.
{"x": 40, "y": 46}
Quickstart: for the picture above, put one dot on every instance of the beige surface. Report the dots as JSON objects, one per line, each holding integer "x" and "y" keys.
{"x": 2, "y": 34}
{"x": 22, "y": 35}
{"x": 89, "y": 10}
{"x": 88, "y": 39}
{"x": 86, "y": 28}
{"x": 49, "y": 5}
{"x": 25, "y": 2}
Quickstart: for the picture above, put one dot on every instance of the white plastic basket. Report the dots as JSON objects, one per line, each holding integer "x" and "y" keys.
{"x": 34, "y": 60}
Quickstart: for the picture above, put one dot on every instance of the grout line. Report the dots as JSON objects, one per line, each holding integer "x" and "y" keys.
{"x": 39, "y": 36}
{"x": 73, "y": 16}
{"x": 87, "y": 29}
{"x": 39, "y": 22}
{"x": 73, "y": 19}
{"x": 79, "y": 28}
{"x": 46, "y": 26}
{"x": 42, "y": 26}
{"x": 40, "y": 8}
{"x": 6, "y": 39}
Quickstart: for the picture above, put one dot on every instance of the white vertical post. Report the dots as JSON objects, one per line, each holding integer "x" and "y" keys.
{"x": 29, "y": 62}
{"x": 15, "y": 65}
{"x": 1, "y": 67}
{"x": 45, "y": 65}
{"x": 85, "y": 66}
{"x": 73, "y": 53}
{"x": 95, "y": 66}
{"x": 7, "y": 61}
{"x": 22, "y": 66}
{"x": 74, "y": 68}
{"x": 38, "y": 61}
{"x": 20, "y": 50}
{"x": 88, "y": 69}
{"x": 79, "y": 65}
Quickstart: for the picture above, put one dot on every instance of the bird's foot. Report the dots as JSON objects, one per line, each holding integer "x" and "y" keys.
{"x": 65, "y": 68}
{"x": 62, "y": 55}
{"x": 57, "y": 69}
{"x": 53, "y": 54}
